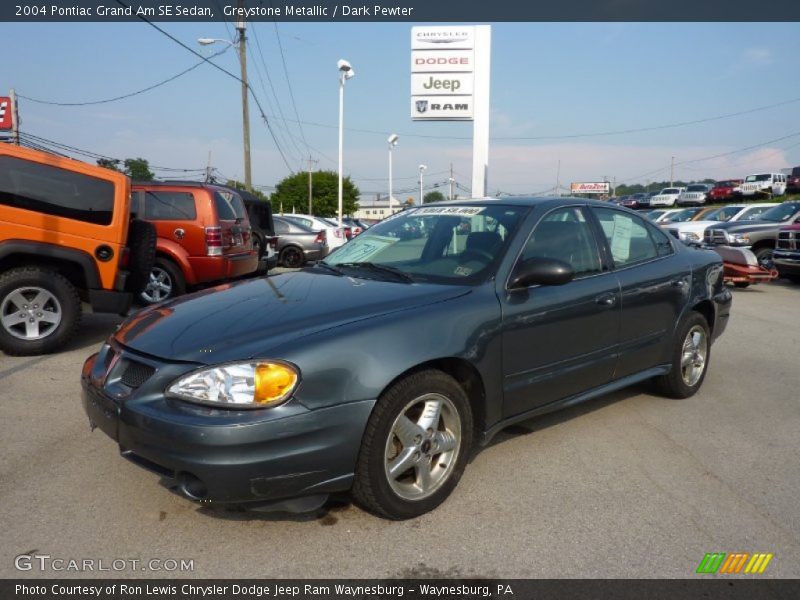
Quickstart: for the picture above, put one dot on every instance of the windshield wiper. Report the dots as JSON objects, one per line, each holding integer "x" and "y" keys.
{"x": 397, "y": 273}
{"x": 329, "y": 267}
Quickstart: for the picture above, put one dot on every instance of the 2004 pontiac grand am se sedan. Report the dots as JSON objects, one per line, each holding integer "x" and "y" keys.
{"x": 378, "y": 370}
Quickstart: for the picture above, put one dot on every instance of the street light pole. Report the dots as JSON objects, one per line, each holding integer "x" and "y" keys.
{"x": 345, "y": 73}
{"x": 392, "y": 143}
{"x": 248, "y": 179}
{"x": 422, "y": 169}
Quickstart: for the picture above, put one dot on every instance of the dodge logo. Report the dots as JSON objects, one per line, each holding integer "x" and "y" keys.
{"x": 422, "y": 106}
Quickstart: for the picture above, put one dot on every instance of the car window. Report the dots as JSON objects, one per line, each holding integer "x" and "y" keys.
{"x": 566, "y": 235}
{"x": 225, "y": 211}
{"x": 53, "y": 191}
{"x": 302, "y": 221}
{"x": 629, "y": 237}
{"x": 281, "y": 227}
{"x": 169, "y": 206}
{"x": 753, "y": 213}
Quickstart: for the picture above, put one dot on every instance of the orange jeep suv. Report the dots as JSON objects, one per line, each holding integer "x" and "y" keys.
{"x": 66, "y": 238}
{"x": 204, "y": 235}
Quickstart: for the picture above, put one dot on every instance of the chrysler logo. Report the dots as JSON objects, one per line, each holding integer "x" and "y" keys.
{"x": 422, "y": 106}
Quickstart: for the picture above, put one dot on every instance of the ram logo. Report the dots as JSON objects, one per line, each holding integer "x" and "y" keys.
{"x": 734, "y": 563}
{"x": 422, "y": 106}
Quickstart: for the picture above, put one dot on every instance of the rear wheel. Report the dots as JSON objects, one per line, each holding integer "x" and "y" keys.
{"x": 415, "y": 446}
{"x": 166, "y": 281}
{"x": 292, "y": 257}
{"x": 690, "y": 355}
{"x": 142, "y": 248}
{"x": 39, "y": 311}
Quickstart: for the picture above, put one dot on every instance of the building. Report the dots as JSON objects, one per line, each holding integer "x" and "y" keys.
{"x": 377, "y": 208}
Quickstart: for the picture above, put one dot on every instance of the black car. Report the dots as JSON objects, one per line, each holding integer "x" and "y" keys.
{"x": 380, "y": 369}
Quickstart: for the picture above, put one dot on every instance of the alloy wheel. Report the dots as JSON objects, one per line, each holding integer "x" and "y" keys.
{"x": 159, "y": 287}
{"x": 30, "y": 313}
{"x": 694, "y": 355}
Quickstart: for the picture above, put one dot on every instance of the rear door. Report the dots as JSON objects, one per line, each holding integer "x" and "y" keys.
{"x": 233, "y": 221}
{"x": 655, "y": 282}
{"x": 173, "y": 212}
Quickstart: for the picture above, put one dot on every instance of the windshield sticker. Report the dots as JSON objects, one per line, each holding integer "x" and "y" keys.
{"x": 361, "y": 249}
{"x": 463, "y": 271}
{"x": 621, "y": 238}
{"x": 461, "y": 211}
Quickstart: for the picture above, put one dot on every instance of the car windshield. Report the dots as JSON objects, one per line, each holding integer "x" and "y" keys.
{"x": 723, "y": 184}
{"x": 696, "y": 188}
{"x": 780, "y": 213}
{"x": 722, "y": 214}
{"x": 751, "y": 178}
{"x": 683, "y": 215}
{"x": 438, "y": 244}
{"x": 753, "y": 213}
{"x": 671, "y": 191}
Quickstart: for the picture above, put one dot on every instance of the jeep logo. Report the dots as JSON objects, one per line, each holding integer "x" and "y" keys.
{"x": 442, "y": 84}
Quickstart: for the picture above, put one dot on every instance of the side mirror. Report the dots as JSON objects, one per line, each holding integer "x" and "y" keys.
{"x": 541, "y": 271}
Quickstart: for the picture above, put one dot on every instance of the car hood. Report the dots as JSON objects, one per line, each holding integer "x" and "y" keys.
{"x": 747, "y": 226}
{"x": 692, "y": 225}
{"x": 246, "y": 319}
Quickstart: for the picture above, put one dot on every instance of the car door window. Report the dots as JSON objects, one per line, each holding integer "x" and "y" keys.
{"x": 566, "y": 235}
{"x": 630, "y": 238}
{"x": 169, "y": 206}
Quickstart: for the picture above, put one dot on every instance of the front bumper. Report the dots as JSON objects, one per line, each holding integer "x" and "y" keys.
{"x": 787, "y": 263}
{"x": 244, "y": 456}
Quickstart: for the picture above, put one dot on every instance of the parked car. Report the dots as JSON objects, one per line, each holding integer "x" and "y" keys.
{"x": 539, "y": 307}
{"x": 356, "y": 226}
{"x": 336, "y": 235}
{"x": 696, "y": 193}
{"x": 723, "y": 191}
{"x": 763, "y": 185}
{"x": 627, "y": 201}
{"x": 759, "y": 235}
{"x": 265, "y": 242}
{"x": 667, "y": 197}
{"x": 204, "y": 235}
{"x": 66, "y": 238}
{"x": 692, "y": 231}
{"x": 298, "y": 244}
{"x": 787, "y": 253}
{"x": 681, "y": 215}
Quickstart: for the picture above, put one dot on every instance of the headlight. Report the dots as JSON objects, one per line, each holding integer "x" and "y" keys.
{"x": 258, "y": 384}
{"x": 690, "y": 236}
{"x": 740, "y": 238}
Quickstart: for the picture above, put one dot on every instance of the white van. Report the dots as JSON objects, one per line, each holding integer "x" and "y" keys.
{"x": 762, "y": 184}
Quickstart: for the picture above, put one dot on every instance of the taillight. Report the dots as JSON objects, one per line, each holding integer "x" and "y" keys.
{"x": 125, "y": 258}
{"x": 348, "y": 233}
{"x": 214, "y": 241}
{"x": 321, "y": 238}
{"x": 273, "y": 242}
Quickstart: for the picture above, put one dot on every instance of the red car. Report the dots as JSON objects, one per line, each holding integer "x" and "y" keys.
{"x": 723, "y": 190}
{"x": 204, "y": 235}
{"x": 793, "y": 181}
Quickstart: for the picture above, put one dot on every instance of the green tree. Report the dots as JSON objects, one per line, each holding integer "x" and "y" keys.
{"x": 238, "y": 185}
{"x": 291, "y": 194}
{"x": 138, "y": 169}
{"x": 434, "y": 196}
{"x": 108, "y": 163}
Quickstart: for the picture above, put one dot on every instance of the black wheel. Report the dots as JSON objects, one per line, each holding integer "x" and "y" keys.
{"x": 764, "y": 257}
{"x": 690, "y": 355}
{"x": 258, "y": 245}
{"x": 741, "y": 284}
{"x": 142, "y": 248}
{"x": 39, "y": 311}
{"x": 292, "y": 257}
{"x": 415, "y": 446}
{"x": 166, "y": 281}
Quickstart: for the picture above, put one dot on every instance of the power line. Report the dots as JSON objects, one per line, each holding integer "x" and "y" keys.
{"x": 289, "y": 83}
{"x": 123, "y": 96}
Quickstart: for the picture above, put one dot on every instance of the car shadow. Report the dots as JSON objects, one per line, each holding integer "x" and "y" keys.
{"x": 93, "y": 331}
{"x": 325, "y": 515}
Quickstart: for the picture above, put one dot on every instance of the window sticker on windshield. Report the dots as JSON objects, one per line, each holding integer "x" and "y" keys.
{"x": 621, "y": 238}
{"x": 362, "y": 249}
{"x": 461, "y": 211}
{"x": 462, "y": 271}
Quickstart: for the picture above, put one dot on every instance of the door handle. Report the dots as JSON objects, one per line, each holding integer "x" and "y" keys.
{"x": 607, "y": 300}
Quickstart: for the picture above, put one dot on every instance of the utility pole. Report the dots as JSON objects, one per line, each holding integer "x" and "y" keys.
{"x": 451, "y": 181}
{"x": 240, "y": 26}
{"x": 311, "y": 162}
{"x": 558, "y": 178}
{"x": 208, "y": 168}
{"x": 672, "y": 172}
{"x": 14, "y": 117}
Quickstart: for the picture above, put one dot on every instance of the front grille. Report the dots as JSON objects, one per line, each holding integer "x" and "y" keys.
{"x": 135, "y": 374}
{"x": 674, "y": 232}
{"x": 715, "y": 236}
{"x": 788, "y": 240}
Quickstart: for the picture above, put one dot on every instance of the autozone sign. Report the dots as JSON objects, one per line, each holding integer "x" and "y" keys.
{"x": 6, "y": 113}
{"x": 442, "y": 61}
{"x": 596, "y": 187}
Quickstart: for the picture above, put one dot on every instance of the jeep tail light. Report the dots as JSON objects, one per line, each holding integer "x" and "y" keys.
{"x": 214, "y": 241}
{"x": 321, "y": 238}
{"x": 125, "y": 258}
{"x": 272, "y": 242}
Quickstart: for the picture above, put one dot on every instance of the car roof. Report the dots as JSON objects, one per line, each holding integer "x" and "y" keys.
{"x": 546, "y": 201}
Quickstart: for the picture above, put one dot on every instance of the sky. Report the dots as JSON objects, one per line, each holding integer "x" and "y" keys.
{"x": 549, "y": 80}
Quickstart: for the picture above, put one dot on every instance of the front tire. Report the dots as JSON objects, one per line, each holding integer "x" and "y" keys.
{"x": 415, "y": 446}
{"x": 690, "y": 356}
{"x": 39, "y": 311}
{"x": 764, "y": 257}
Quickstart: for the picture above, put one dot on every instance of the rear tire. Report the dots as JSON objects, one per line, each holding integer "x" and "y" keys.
{"x": 691, "y": 353}
{"x": 142, "y": 247}
{"x": 166, "y": 282}
{"x": 39, "y": 311}
{"x": 292, "y": 257}
{"x": 415, "y": 446}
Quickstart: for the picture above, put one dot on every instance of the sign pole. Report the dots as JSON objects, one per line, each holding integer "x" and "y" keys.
{"x": 480, "y": 124}
{"x": 14, "y": 117}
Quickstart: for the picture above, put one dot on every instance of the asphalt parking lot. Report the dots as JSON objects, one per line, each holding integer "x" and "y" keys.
{"x": 630, "y": 485}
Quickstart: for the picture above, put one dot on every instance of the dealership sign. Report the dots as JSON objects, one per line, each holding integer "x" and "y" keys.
{"x": 442, "y": 73}
{"x": 597, "y": 187}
